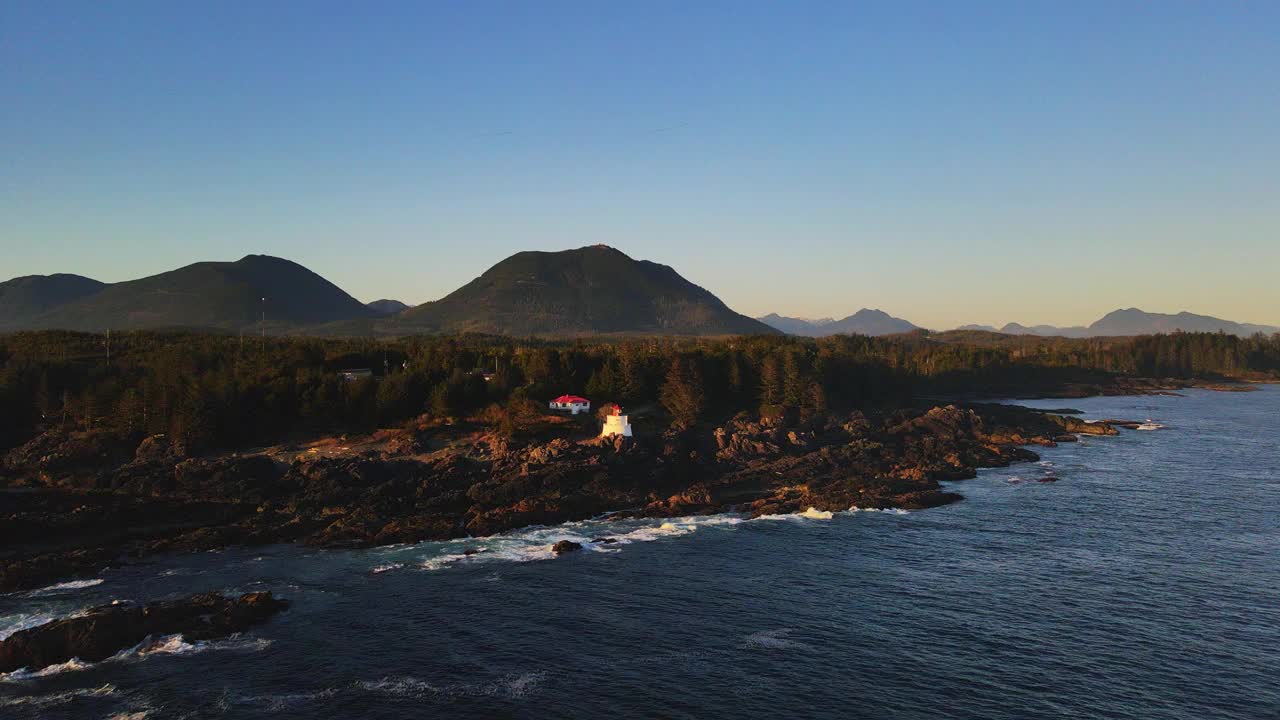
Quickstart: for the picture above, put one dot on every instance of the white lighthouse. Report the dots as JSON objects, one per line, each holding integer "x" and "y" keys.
{"x": 615, "y": 423}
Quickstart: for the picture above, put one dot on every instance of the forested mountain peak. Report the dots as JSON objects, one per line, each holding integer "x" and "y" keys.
{"x": 585, "y": 291}
{"x": 225, "y": 295}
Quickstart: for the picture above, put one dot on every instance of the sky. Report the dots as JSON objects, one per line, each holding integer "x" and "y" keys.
{"x": 950, "y": 163}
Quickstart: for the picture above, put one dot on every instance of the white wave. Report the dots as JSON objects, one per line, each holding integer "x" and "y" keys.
{"x": 23, "y": 674}
{"x": 441, "y": 561}
{"x": 810, "y": 514}
{"x": 58, "y": 698}
{"x": 70, "y": 585}
{"x": 163, "y": 645}
{"x": 535, "y": 543}
{"x": 887, "y": 511}
{"x": 14, "y": 623}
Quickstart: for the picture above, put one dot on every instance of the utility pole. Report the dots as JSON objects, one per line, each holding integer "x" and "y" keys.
{"x": 263, "y": 349}
{"x": 108, "y": 346}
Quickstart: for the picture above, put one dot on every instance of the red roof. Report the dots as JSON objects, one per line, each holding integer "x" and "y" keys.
{"x": 571, "y": 399}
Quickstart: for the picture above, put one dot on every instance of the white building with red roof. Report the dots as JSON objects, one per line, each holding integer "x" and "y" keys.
{"x": 573, "y": 403}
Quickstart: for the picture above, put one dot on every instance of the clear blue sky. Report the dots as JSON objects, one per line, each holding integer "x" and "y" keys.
{"x": 948, "y": 162}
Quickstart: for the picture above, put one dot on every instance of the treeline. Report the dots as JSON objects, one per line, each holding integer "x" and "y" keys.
{"x": 210, "y": 391}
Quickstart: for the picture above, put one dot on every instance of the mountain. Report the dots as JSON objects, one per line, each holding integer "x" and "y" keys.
{"x": 869, "y": 322}
{"x": 226, "y": 295}
{"x": 793, "y": 325}
{"x": 23, "y": 299}
{"x": 387, "y": 307}
{"x": 587, "y": 291}
{"x": 863, "y": 322}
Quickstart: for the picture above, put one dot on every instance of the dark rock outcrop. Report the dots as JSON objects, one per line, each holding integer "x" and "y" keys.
{"x": 105, "y": 631}
{"x": 565, "y": 546}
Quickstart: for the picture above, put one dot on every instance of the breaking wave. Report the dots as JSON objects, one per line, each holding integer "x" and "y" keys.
{"x": 64, "y": 586}
{"x": 810, "y": 514}
{"x": 163, "y": 645}
{"x": 22, "y": 621}
{"x": 534, "y": 543}
{"x": 60, "y": 698}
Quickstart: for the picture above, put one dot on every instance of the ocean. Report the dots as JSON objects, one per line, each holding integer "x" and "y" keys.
{"x": 1143, "y": 583}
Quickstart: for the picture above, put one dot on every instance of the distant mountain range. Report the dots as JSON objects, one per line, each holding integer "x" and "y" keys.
{"x": 863, "y": 322}
{"x": 594, "y": 290}
{"x": 588, "y": 291}
{"x": 1133, "y": 321}
{"x": 1116, "y": 323}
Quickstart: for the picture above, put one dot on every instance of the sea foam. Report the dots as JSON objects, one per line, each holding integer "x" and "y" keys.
{"x": 65, "y": 586}
{"x": 162, "y": 645}
{"x": 535, "y": 543}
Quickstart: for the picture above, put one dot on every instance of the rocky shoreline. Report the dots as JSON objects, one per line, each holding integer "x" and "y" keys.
{"x": 73, "y": 504}
{"x": 101, "y": 632}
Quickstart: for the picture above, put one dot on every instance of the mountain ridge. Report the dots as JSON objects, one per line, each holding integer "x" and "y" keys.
{"x": 863, "y": 322}
{"x": 248, "y": 292}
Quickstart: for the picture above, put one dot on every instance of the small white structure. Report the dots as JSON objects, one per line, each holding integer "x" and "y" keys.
{"x": 615, "y": 423}
{"x": 572, "y": 403}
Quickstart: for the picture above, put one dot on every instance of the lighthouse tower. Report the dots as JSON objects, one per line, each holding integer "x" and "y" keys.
{"x": 615, "y": 423}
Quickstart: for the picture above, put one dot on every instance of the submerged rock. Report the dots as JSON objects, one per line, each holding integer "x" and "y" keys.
{"x": 106, "y": 630}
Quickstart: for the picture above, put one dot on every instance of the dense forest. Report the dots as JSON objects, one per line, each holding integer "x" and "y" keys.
{"x": 216, "y": 391}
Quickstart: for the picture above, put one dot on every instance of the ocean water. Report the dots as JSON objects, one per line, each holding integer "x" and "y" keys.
{"x": 1144, "y": 583}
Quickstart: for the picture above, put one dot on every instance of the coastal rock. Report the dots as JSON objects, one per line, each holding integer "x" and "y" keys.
{"x": 103, "y": 631}
{"x": 565, "y": 546}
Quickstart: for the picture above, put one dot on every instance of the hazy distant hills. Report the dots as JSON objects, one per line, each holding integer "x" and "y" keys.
{"x": 794, "y": 325}
{"x": 588, "y": 291}
{"x": 23, "y": 299}
{"x": 1136, "y": 322}
{"x": 387, "y": 307}
{"x": 863, "y": 322}
{"x": 226, "y": 295}
{"x": 1116, "y": 323}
